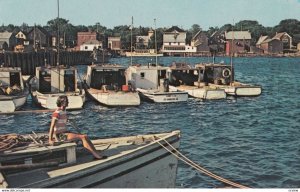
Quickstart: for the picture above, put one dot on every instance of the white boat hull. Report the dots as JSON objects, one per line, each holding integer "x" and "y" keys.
{"x": 10, "y": 104}
{"x": 203, "y": 93}
{"x": 133, "y": 162}
{"x": 163, "y": 97}
{"x": 243, "y": 91}
{"x": 113, "y": 98}
{"x": 48, "y": 100}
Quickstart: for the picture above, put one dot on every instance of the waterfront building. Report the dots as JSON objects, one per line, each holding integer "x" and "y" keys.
{"x": 91, "y": 45}
{"x": 217, "y": 42}
{"x": 237, "y": 42}
{"x": 271, "y": 46}
{"x": 9, "y": 38}
{"x": 83, "y": 37}
{"x": 39, "y": 37}
{"x": 114, "y": 43}
{"x": 200, "y": 41}
{"x": 174, "y": 42}
{"x": 286, "y": 40}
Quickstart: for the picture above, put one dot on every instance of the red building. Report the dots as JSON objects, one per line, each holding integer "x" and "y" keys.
{"x": 237, "y": 42}
{"x": 83, "y": 37}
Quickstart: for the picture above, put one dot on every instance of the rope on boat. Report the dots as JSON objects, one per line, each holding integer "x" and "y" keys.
{"x": 198, "y": 167}
{"x": 14, "y": 141}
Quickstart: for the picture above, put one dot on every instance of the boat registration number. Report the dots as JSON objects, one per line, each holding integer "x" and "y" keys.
{"x": 171, "y": 98}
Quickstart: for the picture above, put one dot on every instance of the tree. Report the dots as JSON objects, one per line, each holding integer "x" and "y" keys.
{"x": 291, "y": 26}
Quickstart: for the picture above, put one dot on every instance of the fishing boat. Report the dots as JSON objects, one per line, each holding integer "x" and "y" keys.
{"x": 142, "y": 161}
{"x": 54, "y": 81}
{"x": 222, "y": 76}
{"x": 13, "y": 92}
{"x": 183, "y": 77}
{"x": 153, "y": 84}
{"x": 107, "y": 84}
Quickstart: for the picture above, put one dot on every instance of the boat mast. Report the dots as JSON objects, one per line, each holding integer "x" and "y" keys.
{"x": 155, "y": 52}
{"x": 231, "y": 55}
{"x": 131, "y": 27}
{"x": 58, "y": 38}
{"x": 58, "y": 41}
{"x": 155, "y": 42}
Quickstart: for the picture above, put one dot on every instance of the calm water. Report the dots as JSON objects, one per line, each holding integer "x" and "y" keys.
{"x": 252, "y": 141}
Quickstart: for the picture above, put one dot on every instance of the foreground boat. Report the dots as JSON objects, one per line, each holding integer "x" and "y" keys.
{"x": 133, "y": 162}
{"x": 186, "y": 78}
{"x": 106, "y": 83}
{"x": 221, "y": 76}
{"x": 13, "y": 93}
{"x": 153, "y": 84}
{"x": 51, "y": 82}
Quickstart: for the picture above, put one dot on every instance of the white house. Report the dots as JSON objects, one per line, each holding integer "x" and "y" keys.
{"x": 174, "y": 42}
{"x": 91, "y": 45}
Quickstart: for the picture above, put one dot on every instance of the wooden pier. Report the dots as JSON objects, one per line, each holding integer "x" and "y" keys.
{"x": 28, "y": 61}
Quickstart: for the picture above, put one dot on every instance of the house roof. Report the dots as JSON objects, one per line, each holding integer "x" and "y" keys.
{"x": 280, "y": 35}
{"x": 174, "y": 28}
{"x": 195, "y": 36}
{"x": 5, "y": 35}
{"x": 269, "y": 40}
{"x": 39, "y": 28}
{"x": 238, "y": 35}
{"x": 262, "y": 39}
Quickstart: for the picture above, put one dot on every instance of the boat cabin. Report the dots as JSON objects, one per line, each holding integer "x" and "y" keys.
{"x": 10, "y": 81}
{"x": 56, "y": 79}
{"x": 110, "y": 77}
{"x": 183, "y": 74}
{"x": 219, "y": 74}
{"x": 148, "y": 77}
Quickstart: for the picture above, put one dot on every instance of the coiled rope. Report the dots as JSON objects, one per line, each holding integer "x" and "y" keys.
{"x": 198, "y": 167}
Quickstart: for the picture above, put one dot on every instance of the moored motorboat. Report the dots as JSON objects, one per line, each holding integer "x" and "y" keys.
{"x": 13, "y": 92}
{"x": 52, "y": 82}
{"x": 107, "y": 84}
{"x": 222, "y": 76}
{"x": 153, "y": 84}
{"x": 186, "y": 78}
{"x": 142, "y": 161}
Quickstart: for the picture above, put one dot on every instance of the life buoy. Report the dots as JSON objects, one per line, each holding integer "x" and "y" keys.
{"x": 226, "y": 73}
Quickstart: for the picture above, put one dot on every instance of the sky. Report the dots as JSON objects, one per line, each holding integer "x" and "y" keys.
{"x": 182, "y": 13}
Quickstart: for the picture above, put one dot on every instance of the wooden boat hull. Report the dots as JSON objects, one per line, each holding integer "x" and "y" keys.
{"x": 144, "y": 164}
{"x": 115, "y": 98}
{"x": 10, "y": 104}
{"x": 48, "y": 100}
{"x": 163, "y": 97}
{"x": 203, "y": 93}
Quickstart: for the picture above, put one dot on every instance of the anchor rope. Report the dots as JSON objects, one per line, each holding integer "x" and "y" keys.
{"x": 198, "y": 167}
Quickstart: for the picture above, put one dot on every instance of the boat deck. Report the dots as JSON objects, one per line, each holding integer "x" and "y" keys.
{"x": 72, "y": 158}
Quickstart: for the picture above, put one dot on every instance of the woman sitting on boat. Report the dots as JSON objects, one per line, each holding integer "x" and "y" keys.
{"x": 59, "y": 132}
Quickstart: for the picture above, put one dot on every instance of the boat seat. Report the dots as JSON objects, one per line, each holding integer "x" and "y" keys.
{"x": 68, "y": 148}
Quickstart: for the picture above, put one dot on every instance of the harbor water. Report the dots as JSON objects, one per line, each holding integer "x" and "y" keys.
{"x": 252, "y": 141}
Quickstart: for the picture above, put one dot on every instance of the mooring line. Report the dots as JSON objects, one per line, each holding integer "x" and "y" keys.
{"x": 198, "y": 167}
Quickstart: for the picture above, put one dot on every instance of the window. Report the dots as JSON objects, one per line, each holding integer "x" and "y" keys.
{"x": 85, "y": 47}
{"x": 142, "y": 75}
